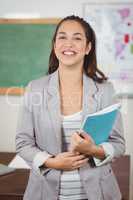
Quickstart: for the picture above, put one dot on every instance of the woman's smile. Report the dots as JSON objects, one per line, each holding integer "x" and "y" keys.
{"x": 69, "y": 52}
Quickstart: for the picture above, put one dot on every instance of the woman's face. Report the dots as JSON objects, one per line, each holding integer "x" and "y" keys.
{"x": 70, "y": 45}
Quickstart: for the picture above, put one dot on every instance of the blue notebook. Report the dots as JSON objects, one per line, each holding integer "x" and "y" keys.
{"x": 99, "y": 125}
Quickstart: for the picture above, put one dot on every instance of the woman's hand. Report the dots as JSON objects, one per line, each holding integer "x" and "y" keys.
{"x": 82, "y": 143}
{"x": 66, "y": 161}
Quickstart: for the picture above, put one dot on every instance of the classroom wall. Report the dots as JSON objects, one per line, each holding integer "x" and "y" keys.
{"x": 9, "y": 107}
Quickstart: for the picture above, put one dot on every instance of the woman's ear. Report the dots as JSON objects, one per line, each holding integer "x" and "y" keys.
{"x": 88, "y": 48}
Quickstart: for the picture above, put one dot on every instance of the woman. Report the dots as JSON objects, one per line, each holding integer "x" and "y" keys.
{"x": 53, "y": 110}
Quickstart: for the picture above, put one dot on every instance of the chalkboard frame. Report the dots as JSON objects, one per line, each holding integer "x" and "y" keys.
{"x": 18, "y": 90}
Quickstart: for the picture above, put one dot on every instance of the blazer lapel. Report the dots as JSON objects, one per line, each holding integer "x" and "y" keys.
{"x": 53, "y": 102}
{"x": 89, "y": 103}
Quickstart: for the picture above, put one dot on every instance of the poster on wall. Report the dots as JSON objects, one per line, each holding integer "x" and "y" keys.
{"x": 113, "y": 25}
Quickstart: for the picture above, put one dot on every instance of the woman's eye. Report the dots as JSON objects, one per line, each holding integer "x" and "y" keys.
{"x": 77, "y": 38}
{"x": 61, "y": 37}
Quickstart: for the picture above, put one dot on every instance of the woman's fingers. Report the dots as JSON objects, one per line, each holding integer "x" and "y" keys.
{"x": 79, "y": 157}
{"x": 80, "y": 163}
{"x": 87, "y": 136}
{"x": 69, "y": 154}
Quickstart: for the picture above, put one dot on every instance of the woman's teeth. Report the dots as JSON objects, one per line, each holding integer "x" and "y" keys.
{"x": 68, "y": 52}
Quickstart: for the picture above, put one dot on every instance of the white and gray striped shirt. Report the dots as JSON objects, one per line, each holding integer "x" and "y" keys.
{"x": 70, "y": 185}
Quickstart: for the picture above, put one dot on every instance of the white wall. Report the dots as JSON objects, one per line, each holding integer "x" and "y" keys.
{"x": 48, "y": 8}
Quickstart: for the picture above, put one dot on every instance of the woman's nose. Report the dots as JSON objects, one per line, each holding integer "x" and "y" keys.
{"x": 69, "y": 43}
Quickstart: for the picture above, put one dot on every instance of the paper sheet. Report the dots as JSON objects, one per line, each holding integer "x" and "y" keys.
{"x": 18, "y": 163}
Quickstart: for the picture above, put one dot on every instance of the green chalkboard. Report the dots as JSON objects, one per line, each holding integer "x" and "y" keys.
{"x": 24, "y": 52}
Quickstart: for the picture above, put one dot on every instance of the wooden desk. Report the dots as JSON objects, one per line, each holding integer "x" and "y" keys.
{"x": 12, "y": 186}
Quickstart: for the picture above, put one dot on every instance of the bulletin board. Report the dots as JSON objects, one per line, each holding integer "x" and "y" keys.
{"x": 25, "y": 46}
{"x": 113, "y": 25}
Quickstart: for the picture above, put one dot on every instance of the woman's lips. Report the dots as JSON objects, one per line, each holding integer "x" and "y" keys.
{"x": 68, "y": 52}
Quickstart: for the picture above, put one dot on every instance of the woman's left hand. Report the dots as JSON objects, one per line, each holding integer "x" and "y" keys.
{"x": 83, "y": 144}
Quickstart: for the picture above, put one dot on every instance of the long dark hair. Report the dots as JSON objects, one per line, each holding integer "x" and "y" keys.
{"x": 90, "y": 60}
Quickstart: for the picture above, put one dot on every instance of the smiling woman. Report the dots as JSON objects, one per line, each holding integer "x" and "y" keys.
{"x": 71, "y": 45}
{"x": 88, "y": 36}
{"x": 47, "y": 133}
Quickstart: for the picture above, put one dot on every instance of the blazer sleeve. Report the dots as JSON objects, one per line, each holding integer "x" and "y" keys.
{"x": 25, "y": 138}
{"x": 116, "y": 138}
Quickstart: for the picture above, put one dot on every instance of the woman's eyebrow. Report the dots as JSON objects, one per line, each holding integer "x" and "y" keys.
{"x": 64, "y": 33}
{"x": 78, "y": 34}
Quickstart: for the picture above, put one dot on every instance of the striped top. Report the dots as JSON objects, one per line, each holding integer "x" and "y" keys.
{"x": 70, "y": 185}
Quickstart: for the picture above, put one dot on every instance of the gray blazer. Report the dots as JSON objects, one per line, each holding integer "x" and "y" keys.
{"x": 39, "y": 129}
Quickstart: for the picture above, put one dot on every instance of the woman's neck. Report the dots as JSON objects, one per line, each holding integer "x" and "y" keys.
{"x": 71, "y": 90}
{"x": 70, "y": 77}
